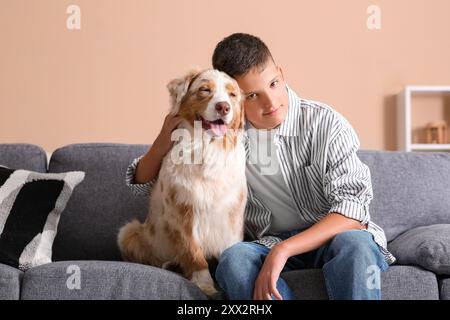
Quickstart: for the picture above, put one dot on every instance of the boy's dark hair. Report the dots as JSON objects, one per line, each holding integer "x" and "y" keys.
{"x": 238, "y": 53}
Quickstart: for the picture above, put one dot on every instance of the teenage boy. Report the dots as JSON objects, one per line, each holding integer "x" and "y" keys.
{"x": 312, "y": 210}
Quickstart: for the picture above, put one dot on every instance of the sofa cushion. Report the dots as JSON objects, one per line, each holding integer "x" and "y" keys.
{"x": 307, "y": 284}
{"x": 99, "y": 280}
{"x": 30, "y": 206}
{"x": 428, "y": 247}
{"x": 24, "y": 156}
{"x": 102, "y": 204}
{"x": 409, "y": 189}
{"x": 10, "y": 280}
{"x": 397, "y": 283}
{"x": 444, "y": 288}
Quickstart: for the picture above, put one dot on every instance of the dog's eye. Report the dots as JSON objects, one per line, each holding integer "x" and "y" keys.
{"x": 205, "y": 89}
{"x": 232, "y": 94}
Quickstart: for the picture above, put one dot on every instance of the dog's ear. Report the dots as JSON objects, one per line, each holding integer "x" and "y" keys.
{"x": 238, "y": 110}
{"x": 179, "y": 87}
{"x": 242, "y": 116}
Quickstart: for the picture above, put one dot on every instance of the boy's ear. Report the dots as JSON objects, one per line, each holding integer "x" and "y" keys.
{"x": 280, "y": 70}
{"x": 179, "y": 87}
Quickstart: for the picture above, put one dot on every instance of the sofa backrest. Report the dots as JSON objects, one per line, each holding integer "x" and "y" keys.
{"x": 23, "y": 156}
{"x": 411, "y": 189}
{"x": 101, "y": 204}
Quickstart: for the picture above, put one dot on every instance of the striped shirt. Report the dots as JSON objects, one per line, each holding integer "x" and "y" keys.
{"x": 317, "y": 156}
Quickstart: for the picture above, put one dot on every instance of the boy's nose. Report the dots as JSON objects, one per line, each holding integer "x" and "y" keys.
{"x": 223, "y": 108}
{"x": 270, "y": 103}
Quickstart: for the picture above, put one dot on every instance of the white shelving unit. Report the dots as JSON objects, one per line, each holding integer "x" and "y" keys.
{"x": 404, "y": 133}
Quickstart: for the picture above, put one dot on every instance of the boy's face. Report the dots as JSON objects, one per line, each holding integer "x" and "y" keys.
{"x": 265, "y": 96}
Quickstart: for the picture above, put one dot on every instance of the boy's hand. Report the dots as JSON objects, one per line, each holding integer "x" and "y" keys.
{"x": 163, "y": 142}
{"x": 266, "y": 282}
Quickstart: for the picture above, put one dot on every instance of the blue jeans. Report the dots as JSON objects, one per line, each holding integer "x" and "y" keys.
{"x": 351, "y": 263}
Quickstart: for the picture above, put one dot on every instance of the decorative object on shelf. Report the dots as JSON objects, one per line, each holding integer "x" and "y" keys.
{"x": 436, "y": 132}
{"x": 405, "y": 128}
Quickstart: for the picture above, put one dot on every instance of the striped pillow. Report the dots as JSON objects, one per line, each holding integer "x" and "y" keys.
{"x": 30, "y": 207}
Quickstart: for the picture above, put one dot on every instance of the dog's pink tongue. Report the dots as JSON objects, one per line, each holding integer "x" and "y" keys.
{"x": 218, "y": 129}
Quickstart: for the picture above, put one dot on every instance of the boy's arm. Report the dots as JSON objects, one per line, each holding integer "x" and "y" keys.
{"x": 148, "y": 166}
{"x": 348, "y": 188}
{"x": 142, "y": 173}
{"x": 138, "y": 189}
{"x": 319, "y": 234}
{"x": 310, "y": 239}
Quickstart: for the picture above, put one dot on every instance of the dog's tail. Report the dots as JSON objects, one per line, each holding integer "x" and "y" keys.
{"x": 132, "y": 243}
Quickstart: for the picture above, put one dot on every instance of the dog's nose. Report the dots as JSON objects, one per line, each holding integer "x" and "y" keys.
{"x": 223, "y": 108}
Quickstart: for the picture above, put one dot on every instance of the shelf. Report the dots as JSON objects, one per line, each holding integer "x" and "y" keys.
{"x": 430, "y": 147}
{"x": 428, "y": 89}
{"x": 404, "y": 116}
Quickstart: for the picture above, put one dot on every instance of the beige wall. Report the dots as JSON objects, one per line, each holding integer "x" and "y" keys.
{"x": 106, "y": 82}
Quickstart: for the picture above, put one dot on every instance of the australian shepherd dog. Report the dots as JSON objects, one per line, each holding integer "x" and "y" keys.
{"x": 198, "y": 200}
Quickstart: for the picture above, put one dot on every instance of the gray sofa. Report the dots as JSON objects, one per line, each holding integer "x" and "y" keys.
{"x": 410, "y": 190}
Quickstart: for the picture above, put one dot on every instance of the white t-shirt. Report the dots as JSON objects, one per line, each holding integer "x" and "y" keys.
{"x": 266, "y": 181}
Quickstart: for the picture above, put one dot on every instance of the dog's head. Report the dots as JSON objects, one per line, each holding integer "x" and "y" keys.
{"x": 209, "y": 96}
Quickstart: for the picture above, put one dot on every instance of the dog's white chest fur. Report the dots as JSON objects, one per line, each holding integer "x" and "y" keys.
{"x": 211, "y": 188}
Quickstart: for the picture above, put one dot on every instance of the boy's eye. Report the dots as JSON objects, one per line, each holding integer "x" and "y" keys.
{"x": 251, "y": 96}
{"x": 274, "y": 84}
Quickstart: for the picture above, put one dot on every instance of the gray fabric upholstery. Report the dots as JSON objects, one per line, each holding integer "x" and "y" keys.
{"x": 307, "y": 284}
{"x": 397, "y": 283}
{"x": 408, "y": 193}
{"x": 408, "y": 189}
{"x": 101, "y": 204}
{"x": 106, "y": 280}
{"x": 428, "y": 247}
{"x": 444, "y": 288}
{"x": 10, "y": 279}
{"x": 23, "y": 156}
{"x": 409, "y": 283}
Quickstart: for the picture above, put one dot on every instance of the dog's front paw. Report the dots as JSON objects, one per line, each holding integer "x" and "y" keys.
{"x": 204, "y": 281}
{"x": 210, "y": 291}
